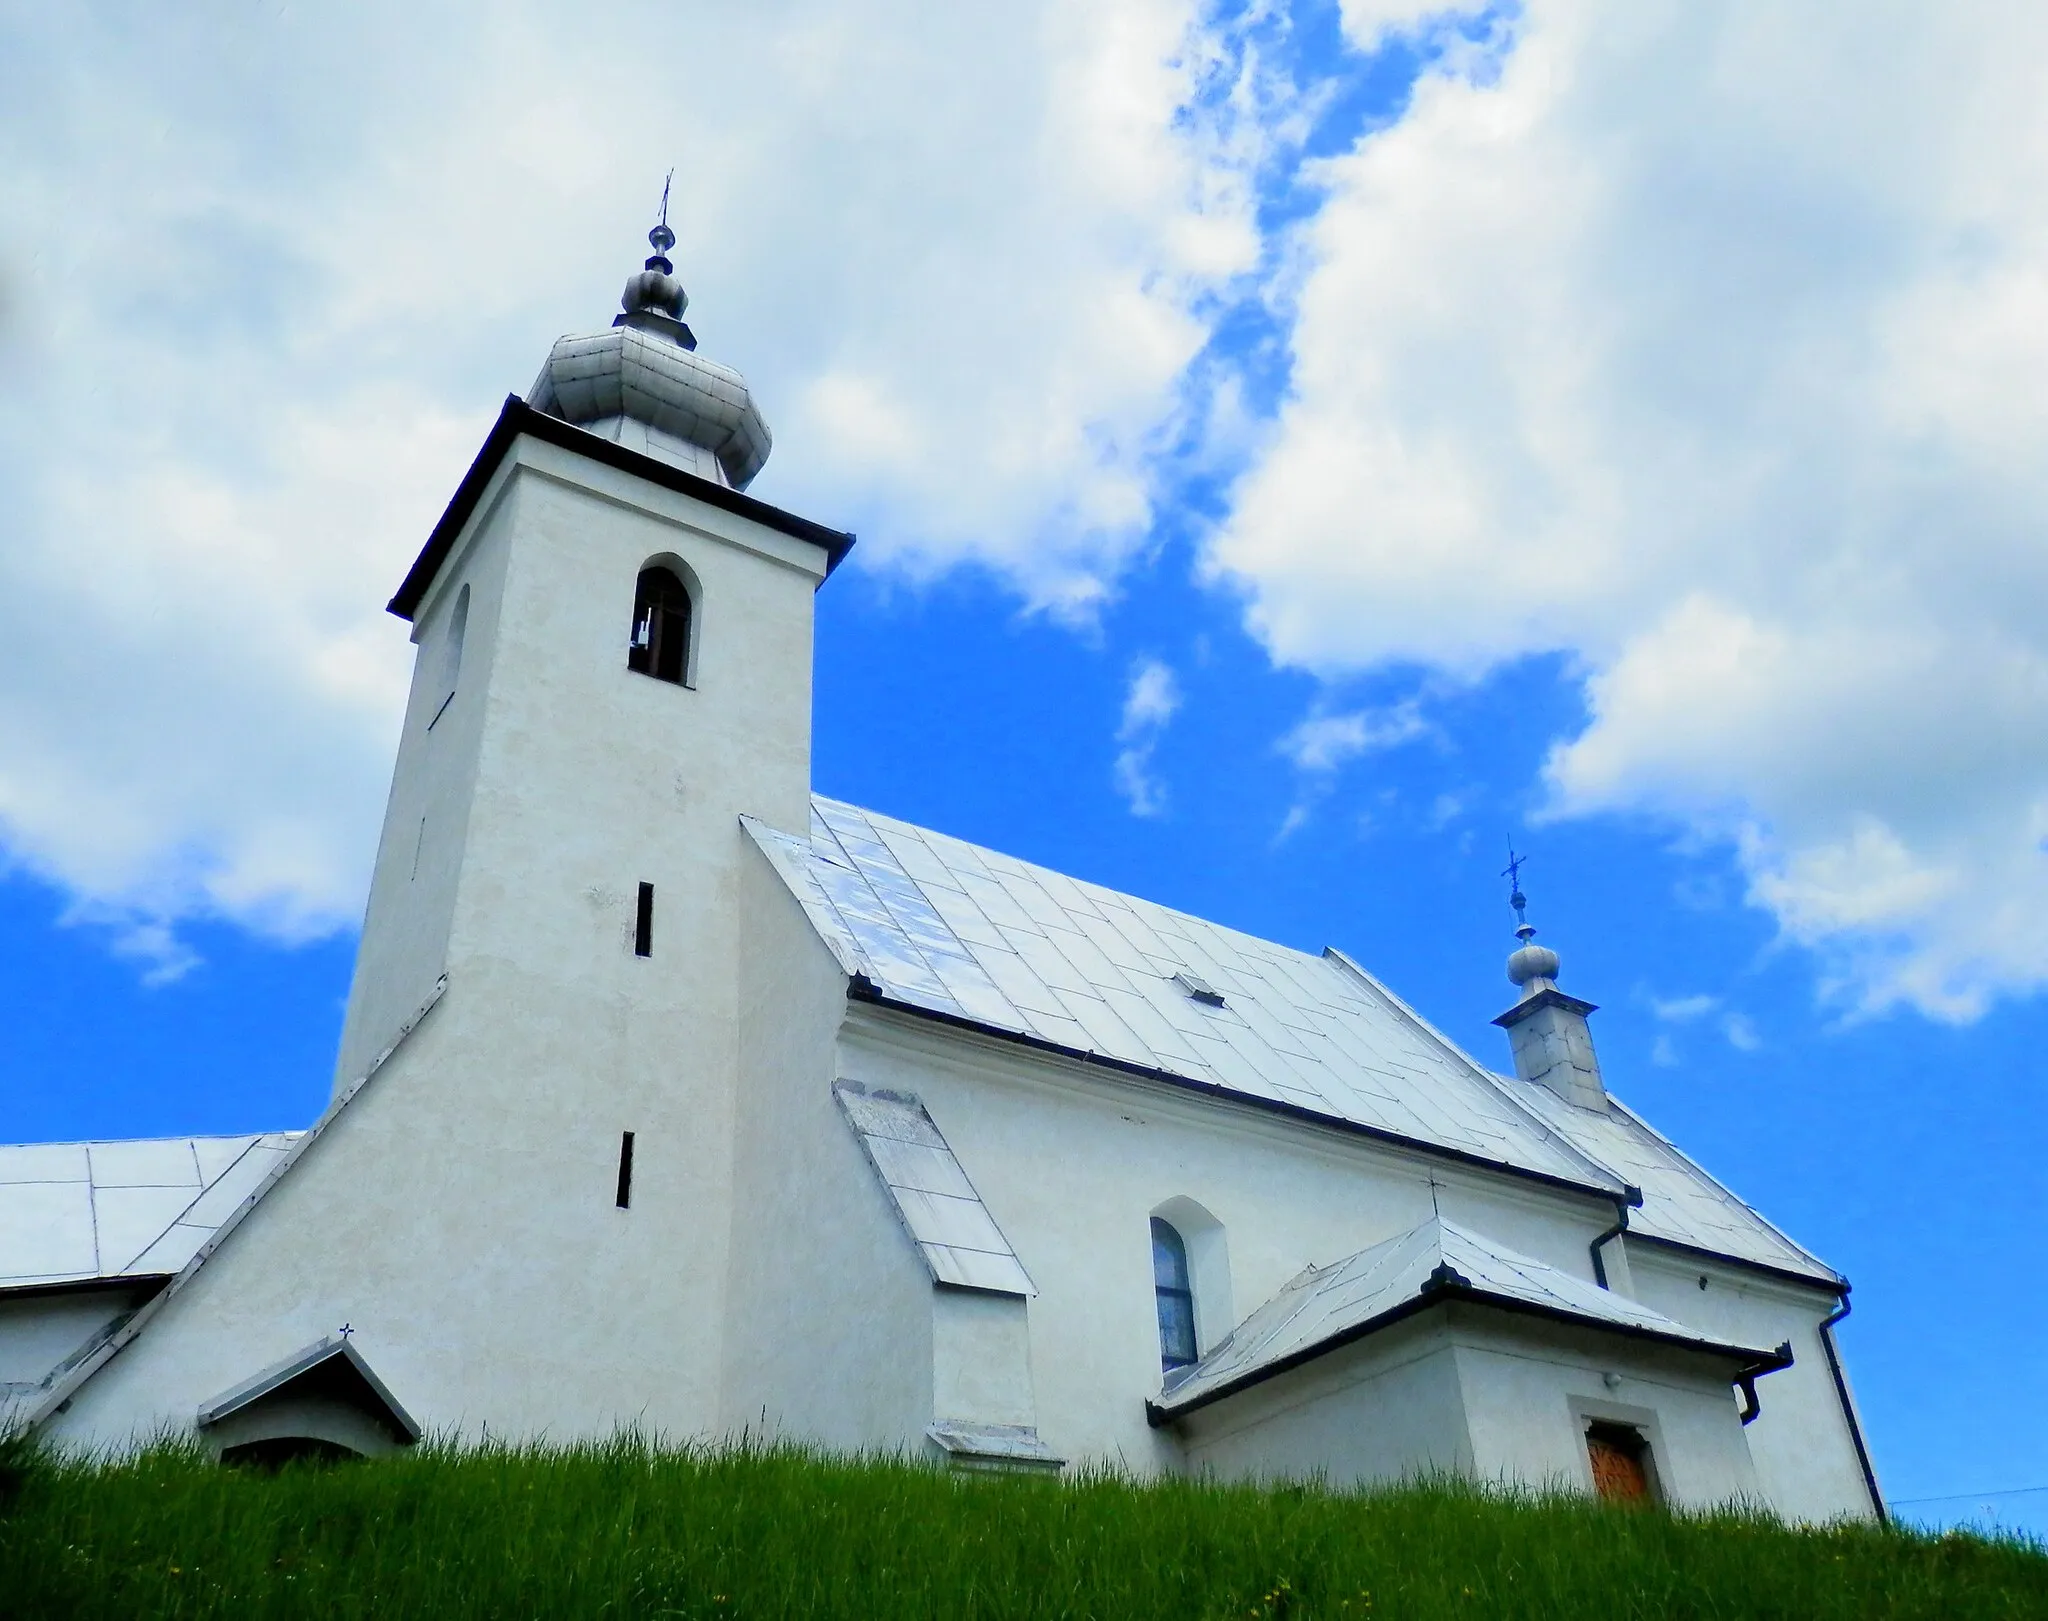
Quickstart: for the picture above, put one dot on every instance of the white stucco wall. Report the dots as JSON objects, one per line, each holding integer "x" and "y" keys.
{"x": 1529, "y": 1388}
{"x": 41, "y": 1329}
{"x": 459, "y": 1214}
{"x": 830, "y": 1311}
{"x": 1469, "y": 1391}
{"x": 1073, "y": 1160}
{"x": 1385, "y": 1409}
{"x": 1806, "y": 1462}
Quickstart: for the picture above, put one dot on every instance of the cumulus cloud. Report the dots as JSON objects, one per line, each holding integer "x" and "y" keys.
{"x": 1151, "y": 700}
{"x": 1704, "y": 345}
{"x": 264, "y": 280}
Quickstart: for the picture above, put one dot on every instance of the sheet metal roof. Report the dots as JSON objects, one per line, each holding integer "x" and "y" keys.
{"x": 1323, "y": 1308}
{"x": 1681, "y": 1202}
{"x": 75, "y": 1212}
{"x": 944, "y": 1216}
{"x": 956, "y": 929}
{"x": 964, "y": 932}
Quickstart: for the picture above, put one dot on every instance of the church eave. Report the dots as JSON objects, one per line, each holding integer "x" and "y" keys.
{"x": 1831, "y": 1284}
{"x": 515, "y": 418}
{"x": 1755, "y": 1362}
{"x": 862, "y": 989}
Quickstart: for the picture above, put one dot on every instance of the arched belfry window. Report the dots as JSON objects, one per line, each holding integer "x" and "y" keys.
{"x": 661, "y": 626}
{"x": 1174, "y": 1289}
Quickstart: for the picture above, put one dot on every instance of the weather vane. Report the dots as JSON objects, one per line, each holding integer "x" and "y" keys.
{"x": 1512, "y": 872}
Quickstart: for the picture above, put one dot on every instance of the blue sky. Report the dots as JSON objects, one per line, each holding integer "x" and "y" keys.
{"x": 1345, "y": 441}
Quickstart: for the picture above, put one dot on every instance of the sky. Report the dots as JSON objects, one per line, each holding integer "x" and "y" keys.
{"x": 1297, "y": 447}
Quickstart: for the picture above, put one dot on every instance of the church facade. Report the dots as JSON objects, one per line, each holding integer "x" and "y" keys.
{"x": 673, "y": 1095}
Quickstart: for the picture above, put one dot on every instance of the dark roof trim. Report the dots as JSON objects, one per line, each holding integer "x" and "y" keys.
{"x": 304, "y": 1362}
{"x": 860, "y": 988}
{"x": 1448, "y": 1288}
{"x": 1553, "y": 997}
{"x": 1834, "y": 1285}
{"x": 516, "y": 417}
{"x": 146, "y": 1282}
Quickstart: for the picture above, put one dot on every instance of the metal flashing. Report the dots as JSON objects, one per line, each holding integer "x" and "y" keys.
{"x": 962, "y": 1246}
{"x": 1549, "y": 996}
{"x": 994, "y": 1446}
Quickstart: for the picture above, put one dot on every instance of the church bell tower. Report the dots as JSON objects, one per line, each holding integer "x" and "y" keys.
{"x": 614, "y": 666}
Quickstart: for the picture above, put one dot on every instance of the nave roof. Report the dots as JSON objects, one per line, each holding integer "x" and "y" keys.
{"x": 948, "y": 928}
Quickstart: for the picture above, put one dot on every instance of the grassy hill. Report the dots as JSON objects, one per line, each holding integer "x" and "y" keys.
{"x": 630, "y": 1531}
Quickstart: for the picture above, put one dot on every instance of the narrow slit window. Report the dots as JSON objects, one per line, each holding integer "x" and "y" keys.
{"x": 625, "y": 1170}
{"x": 643, "y": 923}
{"x": 661, "y": 627}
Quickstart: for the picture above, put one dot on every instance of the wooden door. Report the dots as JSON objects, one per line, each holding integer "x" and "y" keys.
{"x": 1618, "y": 1453}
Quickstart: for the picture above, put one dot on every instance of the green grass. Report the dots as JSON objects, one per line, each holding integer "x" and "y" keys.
{"x": 629, "y": 1530}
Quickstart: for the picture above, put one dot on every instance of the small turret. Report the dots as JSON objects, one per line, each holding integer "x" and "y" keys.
{"x": 1553, "y": 1045}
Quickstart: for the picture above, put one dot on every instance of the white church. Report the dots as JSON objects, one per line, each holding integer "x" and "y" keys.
{"x": 673, "y": 1095}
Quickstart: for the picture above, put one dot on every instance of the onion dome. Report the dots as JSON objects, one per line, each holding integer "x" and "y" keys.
{"x": 1532, "y": 964}
{"x": 643, "y": 384}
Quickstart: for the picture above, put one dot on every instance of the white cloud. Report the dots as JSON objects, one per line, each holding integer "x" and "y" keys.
{"x": 1683, "y": 1009}
{"x": 1703, "y": 343}
{"x": 262, "y": 284}
{"x": 1741, "y": 1032}
{"x": 1151, "y": 700}
{"x": 1325, "y": 741}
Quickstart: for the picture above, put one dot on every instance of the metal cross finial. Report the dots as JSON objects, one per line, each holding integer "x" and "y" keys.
{"x": 661, "y": 238}
{"x": 1512, "y": 872}
{"x": 346, "y": 1330}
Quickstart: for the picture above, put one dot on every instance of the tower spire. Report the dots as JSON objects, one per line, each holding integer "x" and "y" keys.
{"x": 654, "y": 300}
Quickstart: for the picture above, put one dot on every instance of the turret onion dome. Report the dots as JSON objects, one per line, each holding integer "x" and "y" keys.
{"x": 1532, "y": 963}
{"x": 643, "y": 385}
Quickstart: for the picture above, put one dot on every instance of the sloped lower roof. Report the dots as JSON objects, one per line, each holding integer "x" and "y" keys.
{"x": 950, "y": 928}
{"x": 1438, "y": 1262}
{"x": 946, "y": 1220}
{"x": 78, "y": 1212}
